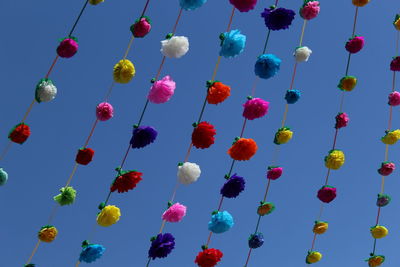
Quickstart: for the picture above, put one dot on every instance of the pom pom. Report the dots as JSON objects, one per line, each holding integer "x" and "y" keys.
{"x": 327, "y": 194}
{"x": 91, "y": 252}
{"x": 355, "y": 44}
{"x": 175, "y": 47}
{"x": 395, "y": 64}
{"x": 175, "y": 213}
{"x": 383, "y": 200}
{"x": 255, "y": 108}
{"x": 104, "y": 111}
{"x": 391, "y": 137}
{"x": 265, "y": 208}
{"x": 95, "y": 2}
{"x": 162, "y": 90}
{"x": 84, "y": 156}
{"x": 310, "y": 9}
{"x": 125, "y": 181}
{"x": 283, "y": 136}
{"x": 124, "y": 71}
{"x": 396, "y": 22}
{"x": 243, "y": 149}
{"x": 232, "y": 43}
{"x": 342, "y": 120}
{"x": 233, "y": 187}
{"x": 394, "y": 99}
{"x": 267, "y": 65}
{"x": 20, "y": 133}
{"x": 220, "y": 222}
{"x": 67, "y": 47}
{"x": 379, "y": 231}
{"x": 203, "y": 135}
{"x": 47, "y": 233}
{"x": 347, "y": 83}
{"x": 274, "y": 172}
{"x": 256, "y": 240}
{"x": 143, "y": 136}
{"x": 360, "y": 3}
{"x": 244, "y": 5}
{"x": 302, "y": 54}
{"x": 292, "y": 96}
{"x": 335, "y": 159}
{"x": 141, "y": 27}
{"x": 217, "y": 93}
{"x": 386, "y": 168}
{"x": 188, "y": 173}
{"x": 191, "y": 4}
{"x": 376, "y": 260}
{"x": 278, "y": 18}
{"x": 161, "y": 246}
{"x": 3, "y": 177}
{"x": 209, "y": 257}
{"x": 313, "y": 257}
{"x": 45, "y": 91}
{"x": 66, "y": 197}
{"x": 320, "y": 227}
{"x": 108, "y": 216}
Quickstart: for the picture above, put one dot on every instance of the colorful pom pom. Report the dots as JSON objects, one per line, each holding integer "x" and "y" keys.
{"x": 3, "y": 177}
{"x": 342, "y": 120}
{"x": 278, "y": 18}
{"x": 217, "y": 92}
{"x": 310, "y": 9}
{"x": 232, "y": 43}
{"x": 209, "y": 257}
{"x": 292, "y": 96}
{"x": 383, "y": 200}
{"x": 141, "y": 27}
{"x": 335, "y": 159}
{"x": 327, "y": 194}
{"x": 391, "y": 137}
{"x": 67, "y": 47}
{"x": 95, "y": 2}
{"x": 45, "y": 91}
{"x": 161, "y": 246}
{"x": 265, "y": 208}
{"x": 175, "y": 213}
{"x": 394, "y": 99}
{"x": 396, "y": 22}
{"x": 244, "y": 5}
{"x": 125, "y": 181}
{"x": 243, "y": 149}
{"x": 283, "y": 136}
{"x": 104, "y": 111}
{"x": 233, "y": 187}
{"x": 267, "y": 66}
{"x": 360, "y": 3}
{"x": 355, "y": 44}
{"x": 320, "y": 227}
{"x": 256, "y": 240}
{"x": 395, "y": 64}
{"x": 376, "y": 260}
{"x": 108, "y": 216}
{"x": 162, "y": 90}
{"x": 66, "y": 197}
{"x": 313, "y": 257}
{"x": 124, "y": 71}
{"x": 175, "y": 47}
{"x": 91, "y": 252}
{"x": 220, "y": 222}
{"x": 302, "y": 53}
{"x": 386, "y": 168}
{"x": 274, "y": 172}
{"x": 191, "y": 4}
{"x": 143, "y": 136}
{"x": 188, "y": 173}
{"x": 47, "y": 233}
{"x": 203, "y": 135}
{"x": 379, "y": 231}
{"x": 20, "y": 133}
{"x": 255, "y": 108}
{"x": 84, "y": 156}
{"x": 347, "y": 83}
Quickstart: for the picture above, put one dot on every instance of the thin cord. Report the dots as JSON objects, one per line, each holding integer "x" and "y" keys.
{"x": 302, "y": 32}
{"x": 5, "y": 150}
{"x": 78, "y": 18}
{"x": 33, "y": 252}
{"x": 52, "y": 66}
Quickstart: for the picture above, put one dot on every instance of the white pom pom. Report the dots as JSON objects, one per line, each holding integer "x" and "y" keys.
{"x": 175, "y": 47}
{"x": 188, "y": 173}
{"x": 45, "y": 91}
{"x": 302, "y": 54}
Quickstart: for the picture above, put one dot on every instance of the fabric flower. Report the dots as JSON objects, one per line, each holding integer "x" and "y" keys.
{"x": 355, "y": 44}
{"x": 313, "y": 257}
{"x": 360, "y": 3}
{"x": 376, "y": 260}
{"x": 320, "y": 227}
{"x": 335, "y": 159}
{"x": 394, "y": 99}
{"x": 124, "y": 71}
{"x": 141, "y": 27}
{"x": 396, "y": 22}
{"x": 386, "y": 168}
{"x": 379, "y": 231}
{"x": 310, "y": 9}
{"x": 255, "y": 108}
{"x": 162, "y": 90}
{"x": 143, "y": 136}
{"x": 104, "y": 111}
{"x": 347, "y": 83}
{"x": 108, "y": 216}
{"x": 302, "y": 53}
{"x": 95, "y": 2}
{"x": 220, "y": 222}
{"x": 232, "y": 43}
{"x": 45, "y": 91}
{"x": 278, "y": 18}
{"x": 274, "y": 172}
{"x": 342, "y": 120}
{"x": 256, "y": 240}
{"x": 125, "y": 181}
{"x": 191, "y": 4}
{"x": 66, "y": 197}
{"x": 267, "y": 65}
{"x": 233, "y": 187}
{"x": 67, "y": 47}
{"x": 292, "y": 96}
{"x": 265, "y": 208}
{"x": 188, "y": 173}
{"x": 84, "y": 156}
{"x": 383, "y": 200}
{"x": 3, "y": 177}
{"x": 217, "y": 92}
{"x": 20, "y": 133}
{"x": 243, "y": 149}
{"x": 161, "y": 246}
{"x": 175, "y": 47}
{"x": 244, "y": 5}
{"x": 208, "y": 257}
{"x": 395, "y": 64}
{"x": 327, "y": 194}
{"x": 283, "y": 136}
{"x": 47, "y": 233}
{"x": 391, "y": 137}
{"x": 203, "y": 135}
{"x": 91, "y": 252}
{"x": 175, "y": 213}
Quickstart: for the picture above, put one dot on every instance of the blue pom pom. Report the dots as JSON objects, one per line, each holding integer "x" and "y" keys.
{"x": 256, "y": 240}
{"x": 191, "y": 4}
{"x": 3, "y": 177}
{"x": 292, "y": 96}
{"x": 220, "y": 222}
{"x": 91, "y": 252}
{"x": 267, "y": 66}
{"x": 143, "y": 136}
{"x": 232, "y": 44}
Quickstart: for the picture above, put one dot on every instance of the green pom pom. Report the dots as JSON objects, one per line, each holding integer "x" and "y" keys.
{"x": 66, "y": 197}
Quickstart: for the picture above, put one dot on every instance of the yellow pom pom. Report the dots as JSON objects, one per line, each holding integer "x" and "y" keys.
{"x": 391, "y": 137}
{"x": 379, "y": 231}
{"x": 313, "y": 257}
{"x": 47, "y": 233}
{"x": 360, "y": 3}
{"x": 376, "y": 261}
{"x": 335, "y": 159}
{"x": 347, "y": 83}
{"x": 320, "y": 227}
{"x": 124, "y": 71}
{"x": 283, "y": 135}
{"x": 108, "y": 216}
{"x": 95, "y": 2}
{"x": 396, "y": 22}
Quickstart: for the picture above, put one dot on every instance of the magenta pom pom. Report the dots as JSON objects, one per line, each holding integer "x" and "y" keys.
{"x": 310, "y": 9}
{"x": 141, "y": 27}
{"x": 274, "y": 172}
{"x": 327, "y": 194}
{"x": 342, "y": 119}
{"x": 355, "y": 44}
{"x": 386, "y": 168}
{"x": 175, "y": 213}
{"x": 162, "y": 90}
{"x": 104, "y": 111}
{"x": 67, "y": 47}
{"x": 244, "y": 5}
{"x": 395, "y": 64}
{"x": 255, "y": 108}
{"x": 394, "y": 98}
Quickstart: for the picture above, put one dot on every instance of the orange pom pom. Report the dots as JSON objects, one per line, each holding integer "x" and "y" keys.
{"x": 217, "y": 93}
{"x": 243, "y": 149}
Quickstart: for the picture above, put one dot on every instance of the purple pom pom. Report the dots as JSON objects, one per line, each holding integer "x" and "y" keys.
{"x": 143, "y": 136}
{"x": 256, "y": 240}
{"x": 233, "y": 187}
{"x": 161, "y": 246}
{"x": 278, "y": 18}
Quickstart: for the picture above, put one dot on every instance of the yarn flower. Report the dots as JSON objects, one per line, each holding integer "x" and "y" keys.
{"x": 335, "y": 159}
{"x": 233, "y": 187}
{"x": 244, "y": 5}
{"x": 394, "y": 99}
{"x": 379, "y": 231}
{"x": 327, "y": 194}
{"x": 383, "y": 200}
{"x": 396, "y": 22}
{"x": 342, "y": 120}
{"x": 255, "y": 108}
{"x": 141, "y": 27}
{"x": 161, "y": 246}
{"x": 209, "y": 257}
{"x": 217, "y": 92}
{"x": 395, "y": 64}
{"x": 376, "y": 260}
{"x": 243, "y": 149}
{"x": 91, "y": 252}
{"x": 232, "y": 43}
{"x": 45, "y": 91}
{"x": 143, "y": 136}
{"x": 313, "y": 257}
{"x": 47, "y": 233}
{"x": 347, "y": 83}
{"x": 84, "y": 156}
{"x": 310, "y": 9}
{"x": 95, "y": 2}
{"x": 283, "y": 136}
{"x": 124, "y": 71}
{"x": 292, "y": 96}
{"x": 162, "y": 90}
{"x": 355, "y": 44}
{"x": 386, "y": 168}
{"x": 302, "y": 53}
{"x": 320, "y": 227}
{"x": 267, "y": 65}
{"x": 278, "y": 18}
{"x": 175, "y": 47}
{"x": 104, "y": 111}
{"x": 175, "y": 213}
{"x": 67, "y": 47}
{"x": 274, "y": 172}
{"x": 108, "y": 216}
{"x": 20, "y": 133}
{"x": 256, "y": 240}
{"x": 360, "y": 3}
{"x": 3, "y": 177}
{"x": 191, "y": 4}
{"x": 265, "y": 208}
{"x": 66, "y": 197}
{"x": 125, "y": 181}
{"x": 188, "y": 173}
{"x": 203, "y": 135}
{"x": 221, "y": 222}
{"x": 391, "y": 137}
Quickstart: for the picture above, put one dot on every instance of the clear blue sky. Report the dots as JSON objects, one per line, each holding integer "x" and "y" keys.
{"x": 41, "y": 166}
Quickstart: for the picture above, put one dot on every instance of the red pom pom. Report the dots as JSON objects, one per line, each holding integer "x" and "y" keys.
{"x": 126, "y": 181}
{"x": 209, "y": 257}
{"x": 217, "y": 93}
{"x": 203, "y": 135}
{"x": 84, "y": 156}
{"x": 19, "y": 133}
{"x": 243, "y": 149}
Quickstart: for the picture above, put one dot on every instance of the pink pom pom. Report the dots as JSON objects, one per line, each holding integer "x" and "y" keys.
{"x": 355, "y": 44}
{"x": 274, "y": 173}
{"x": 67, "y": 48}
{"x": 327, "y": 194}
{"x": 141, "y": 27}
{"x": 386, "y": 168}
{"x": 310, "y": 10}
{"x": 342, "y": 119}
{"x": 104, "y": 111}
{"x": 175, "y": 213}
{"x": 162, "y": 90}
{"x": 255, "y": 108}
{"x": 395, "y": 64}
{"x": 244, "y": 5}
{"x": 394, "y": 98}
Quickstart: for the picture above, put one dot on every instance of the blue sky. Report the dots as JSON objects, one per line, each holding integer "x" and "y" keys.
{"x": 41, "y": 166}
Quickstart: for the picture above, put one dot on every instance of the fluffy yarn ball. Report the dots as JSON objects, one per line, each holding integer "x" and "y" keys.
{"x": 47, "y": 234}
{"x": 232, "y": 43}
{"x": 162, "y": 90}
{"x": 379, "y": 231}
{"x": 396, "y": 22}
{"x": 383, "y": 200}
{"x": 66, "y": 197}
{"x": 360, "y": 3}
{"x": 395, "y": 64}
{"x": 91, "y": 252}
{"x": 108, "y": 216}
{"x": 342, "y": 120}
{"x": 217, "y": 92}
{"x": 188, "y": 173}
{"x": 274, "y": 172}
{"x": 283, "y": 136}
{"x": 3, "y": 177}
{"x": 327, "y": 194}
{"x": 347, "y": 83}
{"x": 220, "y": 222}
{"x": 265, "y": 208}
{"x": 124, "y": 71}
{"x": 243, "y": 149}
{"x": 267, "y": 66}
{"x": 278, "y": 18}
{"x": 335, "y": 159}
{"x": 391, "y": 137}
{"x": 141, "y": 27}
{"x": 104, "y": 111}
{"x": 386, "y": 168}
{"x": 233, "y": 187}
{"x": 255, "y": 108}
{"x": 84, "y": 156}
{"x": 175, "y": 213}
{"x": 208, "y": 257}
{"x": 191, "y": 4}
{"x": 320, "y": 227}
{"x": 302, "y": 53}
{"x": 292, "y": 96}
{"x": 45, "y": 91}
{"x": 68, "y": 47}
{"x": 376, "y": 260}
{"x": 175, "y": 47}
{"x": 125, "y": 181}
{"x": 394, "y": 99}
{"x": 95, "y": 2}
{"x": 355, "y": 44}
{"x": 161, "y": 246}
{"x": 313, "y": 257}
{"x": 244, "y": 5}
{"x": 143, "y": 136}
{"x": 310, "y": 9}
{"x": 20, "y": 133}
{"x": 256, "y": 240}
{"x": 203, "y": 135}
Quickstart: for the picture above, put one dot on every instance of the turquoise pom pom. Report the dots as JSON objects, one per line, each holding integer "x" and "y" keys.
{"x": 267, "y": 66}
{"x": 232, "y": 43}
{"x": 220, "y": 222}
{"x": 292, "y": 96}
{"x": 91, "y": 252}
{"x": 191, "y": 4}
